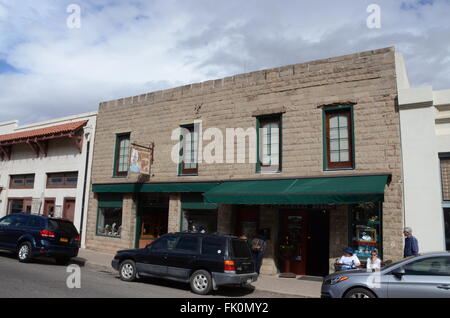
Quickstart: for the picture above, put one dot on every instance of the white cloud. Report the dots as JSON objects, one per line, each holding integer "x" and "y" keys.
{"x": 126, "y": 48}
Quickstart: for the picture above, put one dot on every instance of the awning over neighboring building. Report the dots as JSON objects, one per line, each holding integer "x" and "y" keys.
{"x": 154, "y": 187}
{"x": 329, "y": 190}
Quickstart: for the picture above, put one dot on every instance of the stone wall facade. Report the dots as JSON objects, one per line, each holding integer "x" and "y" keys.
{"x": 366, "y": 80}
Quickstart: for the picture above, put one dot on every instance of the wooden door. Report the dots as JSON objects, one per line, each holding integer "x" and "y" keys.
{"x": 247, "y": 222}
{"x": 49, "y": 207}
{"x": 294, "y": 237}
{"x": 69, "y": 209}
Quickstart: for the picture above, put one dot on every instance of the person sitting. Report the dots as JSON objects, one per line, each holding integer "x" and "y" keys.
{"x": 349, "y": 260}
{"x": 373, "y": 262}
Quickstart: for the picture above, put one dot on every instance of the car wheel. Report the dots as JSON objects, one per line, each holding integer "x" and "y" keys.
{"x": 360, "y": 293}
{"x": 24, "y": 252}
{"x": 62, "y": 260}
{"x": 201, "y": 282}
{"x": 127, "y": 271}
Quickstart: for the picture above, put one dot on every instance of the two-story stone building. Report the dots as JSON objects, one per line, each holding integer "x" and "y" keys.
{"x": 321, "y": 169}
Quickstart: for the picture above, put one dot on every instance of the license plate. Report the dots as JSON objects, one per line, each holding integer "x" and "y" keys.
{"x": 64, "y": 240}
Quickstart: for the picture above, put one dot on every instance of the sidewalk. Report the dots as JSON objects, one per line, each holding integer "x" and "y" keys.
{"x": 274, "y": 284}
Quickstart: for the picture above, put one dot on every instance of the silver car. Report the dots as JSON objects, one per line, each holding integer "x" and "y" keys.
{"x": 423, "y": 276}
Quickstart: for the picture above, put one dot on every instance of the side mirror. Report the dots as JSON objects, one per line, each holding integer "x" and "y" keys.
{"x": 398, "y": 272}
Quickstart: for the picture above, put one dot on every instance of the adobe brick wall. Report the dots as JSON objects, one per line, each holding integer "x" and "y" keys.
{"x": 367, "y": 79}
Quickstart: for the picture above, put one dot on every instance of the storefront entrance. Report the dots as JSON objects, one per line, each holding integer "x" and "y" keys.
{"x": 304, "y": 242}
{"x": 153, "y": 224}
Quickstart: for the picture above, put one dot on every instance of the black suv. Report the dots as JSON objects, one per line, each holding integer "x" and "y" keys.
{"x": 34, "y": 235}
{"x": 206, "y": 261}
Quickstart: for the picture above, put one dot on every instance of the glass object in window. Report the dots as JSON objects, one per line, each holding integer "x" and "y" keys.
{"x": 110, "y": 222}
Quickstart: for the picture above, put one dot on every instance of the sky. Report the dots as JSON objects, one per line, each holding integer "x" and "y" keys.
{"x": 51, "y": 69}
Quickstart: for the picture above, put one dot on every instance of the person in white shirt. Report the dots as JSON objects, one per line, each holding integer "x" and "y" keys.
{"x": 373, "y": 262}
{"x": 349, "y": 260}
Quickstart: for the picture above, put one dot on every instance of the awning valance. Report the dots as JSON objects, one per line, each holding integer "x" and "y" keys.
{"x": 328, "y": 190}
{"x": 154, "y": 187}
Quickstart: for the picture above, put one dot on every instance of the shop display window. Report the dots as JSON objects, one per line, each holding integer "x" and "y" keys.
{"x": 109, "y": 222}
{"x": 365, "y": 225}
{"x": 199, "y": 221}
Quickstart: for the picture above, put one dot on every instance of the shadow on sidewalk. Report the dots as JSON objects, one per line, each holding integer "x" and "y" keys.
{"x": 225, "y": 291}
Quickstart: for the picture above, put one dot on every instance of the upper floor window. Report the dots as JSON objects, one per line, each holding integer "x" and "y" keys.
{"x": 189, "y": 150}
{"x": 25, "y": 181}
{"x": 269, "y": 144}
{"x": 62, "y": 180}
{"x": 445, "y": 176}
{"x": 122, "y": 155}
{"x": 338, "y": 148}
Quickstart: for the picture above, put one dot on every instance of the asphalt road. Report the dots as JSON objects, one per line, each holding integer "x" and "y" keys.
{"x": 44, "y": 279}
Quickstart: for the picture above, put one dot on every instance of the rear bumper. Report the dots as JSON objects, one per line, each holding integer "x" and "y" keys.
{"x": 56, "y": 251}
{"x": 233, "y": 279}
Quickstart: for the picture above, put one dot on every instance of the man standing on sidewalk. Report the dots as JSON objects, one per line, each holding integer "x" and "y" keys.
{"x": 411, "y": 243}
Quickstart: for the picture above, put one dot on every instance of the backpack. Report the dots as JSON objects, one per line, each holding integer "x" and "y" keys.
{"x": 257, "y": 244}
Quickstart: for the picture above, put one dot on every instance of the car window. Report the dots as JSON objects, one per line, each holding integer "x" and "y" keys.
{"x": 6, "y": 221}
{"x": 19, "y": 220}
{"x": 62, "y": 226}
{"x": 188, "y": 244}
{"x": 36, "y": 222}
{"x": 212, "y": 246}
{"x": 164, "y": 244}
{"x": 433, "y": 266}
{"x": 240, "y": 249}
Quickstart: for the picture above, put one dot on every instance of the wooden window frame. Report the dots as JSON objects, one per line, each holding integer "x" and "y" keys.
{"x": 182, "y": 170}
{"x": 64, "y": 176}
{"x": 328, "y": 113}
{"x": 260, "y": 121}
{"x": 119, "y": 138}
{"x": 12, "y": 186}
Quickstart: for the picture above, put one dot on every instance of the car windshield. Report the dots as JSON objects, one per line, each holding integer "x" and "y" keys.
{"x": 62, "y": 226}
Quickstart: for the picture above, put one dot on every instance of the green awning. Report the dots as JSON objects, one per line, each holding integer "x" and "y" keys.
{"x": 154, "y": 187}
{"x": 329, "y": 190}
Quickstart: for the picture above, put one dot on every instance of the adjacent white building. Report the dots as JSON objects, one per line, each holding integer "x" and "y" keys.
{"x": 45, "y": 167}
{"x": 425, "y": 135}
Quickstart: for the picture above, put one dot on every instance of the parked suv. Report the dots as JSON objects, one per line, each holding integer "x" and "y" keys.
{"x": 206, "y": 261}
{"x": 32, "y": 235}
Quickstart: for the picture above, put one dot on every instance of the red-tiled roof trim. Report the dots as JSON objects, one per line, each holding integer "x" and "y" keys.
{"x": 42, "y": 132}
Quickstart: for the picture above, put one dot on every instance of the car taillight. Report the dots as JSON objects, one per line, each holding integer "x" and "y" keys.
{"x": 76, "y": 238}
{"x": 229, "y": 266}
{"x": 47, "y": 233}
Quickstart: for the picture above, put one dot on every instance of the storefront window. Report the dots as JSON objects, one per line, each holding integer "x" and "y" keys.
{"x": 109, "y": 222}
{"x": 199, "y": 221}
{"x": 365, "y": 226}
{"x": 447, "y": 227}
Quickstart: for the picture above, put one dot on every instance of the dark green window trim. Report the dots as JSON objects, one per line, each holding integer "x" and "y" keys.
{"x": 324, "y": 136}
{"x": 278, "y": 117}
{"x": 116, "y": 152}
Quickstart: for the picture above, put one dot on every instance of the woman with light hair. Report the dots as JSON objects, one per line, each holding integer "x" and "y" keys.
{"x": 373, "y": 262}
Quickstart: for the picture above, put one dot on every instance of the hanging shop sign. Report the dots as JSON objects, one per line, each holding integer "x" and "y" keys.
{"x": 141, "y": 159}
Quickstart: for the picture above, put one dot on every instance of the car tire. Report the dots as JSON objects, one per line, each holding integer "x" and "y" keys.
{"x": 201, "y": 282}
{"x": 62, "y": 260}
{"x": 127, "y": 271}
{"x": 359, "y": 293}
{"x": 24, "y": 252}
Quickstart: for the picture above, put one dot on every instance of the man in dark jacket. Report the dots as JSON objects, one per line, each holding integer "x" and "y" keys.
{"x": 258, "y": 247}
{"x": 411, "y": 243}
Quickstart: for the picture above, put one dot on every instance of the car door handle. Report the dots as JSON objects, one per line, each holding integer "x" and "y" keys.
{"x": 446, "y": 287}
